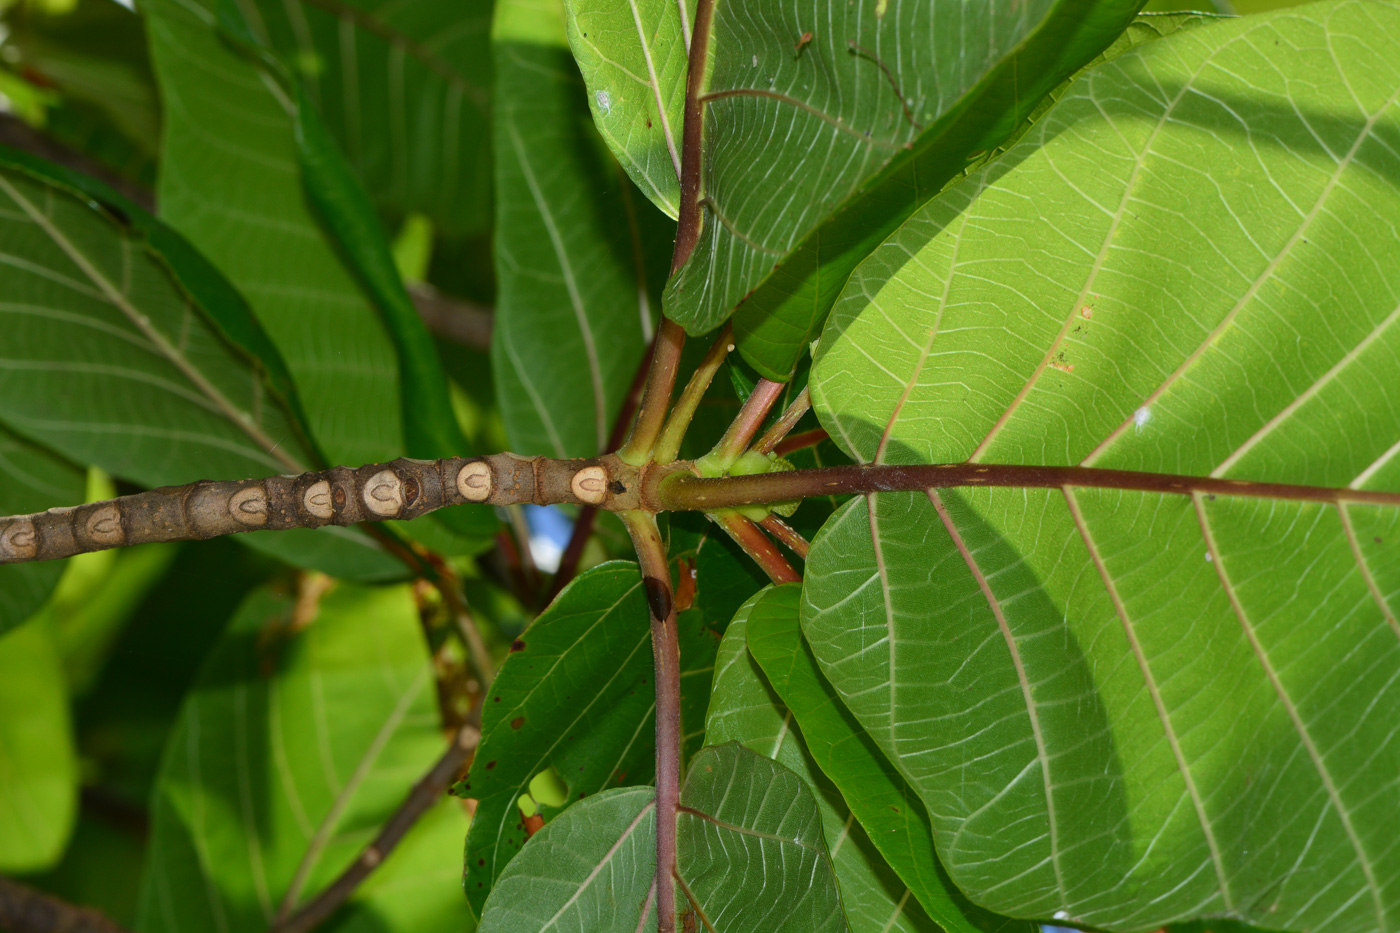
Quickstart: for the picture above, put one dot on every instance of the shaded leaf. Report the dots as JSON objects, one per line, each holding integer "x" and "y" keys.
{"x": 576, "y": 695}
{"x": 579, "y": 263}
{"x": 1148, "y": 707}
{"x": 31, "y": 479}
{"x": 902, "y": 97}
{"x": 263, "y": 798}
{"x": 110, "y": 361}
{"x": 745, "y": 709}
{"x": 749, "y": 849}
{"x": 38, "y": 764}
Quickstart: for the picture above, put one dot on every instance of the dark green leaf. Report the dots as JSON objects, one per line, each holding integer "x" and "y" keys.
{"x": 31, "y": 480}
{"x": 578, "y": 262}
{"x": 575, "y": 694}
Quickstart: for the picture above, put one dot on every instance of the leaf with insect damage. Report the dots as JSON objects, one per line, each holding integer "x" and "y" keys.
{"x": 1128, "y": 708}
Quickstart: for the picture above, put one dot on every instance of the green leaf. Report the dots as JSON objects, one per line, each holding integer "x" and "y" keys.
{"x": 575, "y": 694}
{"x": 231, "y": 183}
{"x": 403, "y": 89}
{"x": 109, "y": 360}
{"x": 745, "y": 709}
{"x": 292, "y": 748}
{"x": 31, "y": 479}
{"x": 749, "y": 850}
{"x": 38, "y": 765}
{"x": 579, "y": 264}
{"x": 774, "y": 326}
{"x": 848, "y": 759}
{"x": 872, "y": 112}
{"x": 633, "y": 60}
{"x": 1148, "y": 707}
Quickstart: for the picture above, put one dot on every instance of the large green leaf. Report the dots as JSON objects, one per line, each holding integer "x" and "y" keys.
{"x": 745, "y": 709}
{"x": 405, "y": 90}
{"x": 31, "y": 479}
{"x": 291, "y": 750}
{"x": 795, "y": 129}
{"x": 1126, "y": 708}
{"x": 575, "y": 694}
{"x": 38, "y": 764}
{"x": 230, "y": 181}
{"x": 871, "y": 791}
{"x": 109, "y": 360}
{"x": 579, "y": 266}
{"x": 749, "y": 849}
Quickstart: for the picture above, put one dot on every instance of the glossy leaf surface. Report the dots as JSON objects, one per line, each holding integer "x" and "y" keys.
{"x": 1119, "y": 707}
{"x": 576, "y": 251}
{"x": 750, "y": 855}
{"x": 576, "y": 695}
{"x": 109, "y": 361}
{"x": 262, "y": 798}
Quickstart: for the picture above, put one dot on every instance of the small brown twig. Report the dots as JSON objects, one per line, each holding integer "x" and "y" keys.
{"x": 757, "y": 545}
{"x": 656, "y": 396}
{"x": 800, "y": 441}
{"x": 669, "y": 446}
{"x": 889, "y": 76}
{"x": 787, "y": 534}
{"x": 746, "y": 423}
{"x": 786, "y": 422}
{"x": 452, "y": 318}
{"x": 26, "y": 910}
{"x": 425, "y": 793}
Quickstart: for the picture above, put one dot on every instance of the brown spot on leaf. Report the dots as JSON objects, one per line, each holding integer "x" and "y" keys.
{"x": 517, "y": 722}
{"x": 490, "y": 765}
{"x": 517, "y": 645}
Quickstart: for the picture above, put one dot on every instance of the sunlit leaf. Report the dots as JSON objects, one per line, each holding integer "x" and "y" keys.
{"x": 1126, "y": 708}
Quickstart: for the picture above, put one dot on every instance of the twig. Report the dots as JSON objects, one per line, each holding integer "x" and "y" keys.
{"x": 688, "y": 220}
{"x": 424, "y": 794}
{"x": 684, "y": 410}
{"x": 800, "y": 441}
{"x": 787, "y": 534}
{"x": 666, "y": 651}
{"x": 656, "y": 396}
{"x": 457, "y": 320}
{"x": 746, "y": 424}
{"x": 757, "y": 545}
{"x": 786, "y": 422}
{"x": 26, "y": 910}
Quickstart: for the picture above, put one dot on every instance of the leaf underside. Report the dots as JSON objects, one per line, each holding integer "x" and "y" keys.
{"x": 1126, "y": 708}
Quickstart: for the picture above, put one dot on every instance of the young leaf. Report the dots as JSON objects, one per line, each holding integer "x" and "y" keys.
{"x": 291, "y": 749}
{"x": 745, "y": 709}
{"x": 575, "y": 695}
{"x": 405, "y": 91}
{"x": 31, "y": 479}
{"x": 108, "y": 360}
{"x": 38, "y": 764}
{"x": 577, "y": 261}
{"x": 843, "y": 98}
{"x": 1150, "y": 706}
{"x": 751, "y": 858}
{"x": 871, "y": 790}
{"x": 230, "y": 182}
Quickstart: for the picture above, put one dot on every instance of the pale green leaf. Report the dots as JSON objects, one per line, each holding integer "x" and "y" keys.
{"x": 292, "y": 748}
{"x": 1128, "y": 708}
{"x": 750, "y": 855}
{"x": 38, "y": 764}
{"x": 576, "y": 255}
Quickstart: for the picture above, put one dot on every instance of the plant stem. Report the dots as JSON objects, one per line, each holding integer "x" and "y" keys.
{"x": 800, "y": 441}
{"x": 757, "y": 545}
{"x": 666, "y": 652}
{"x": 26, "y": 910}
{"x": 746, "y": 424}
{"x": 684, "y": 410}
{"x": 656, "y": 397}
{"x": 774, "y": 435}
{"x": 787, "y": 534}
{"x": 689, "y": 219}
{"x": 425, "y": 793}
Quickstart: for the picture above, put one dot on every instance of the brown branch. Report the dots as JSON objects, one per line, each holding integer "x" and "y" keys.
{"x": 454, "y": 319}
{"x": 683, "y": 411}
{"x": 666, "y": 651}
{"x": 690, "y": 216}
{"x": 774, "y": 435}
{"x": 425, "y": 793}
{"x": 656, "y": 396}
{"x": 787, "y": 534}
{"x": 746, "y": 423}
{"x": 757, "y": 545}
{"x": 26, "y": 910}
{"x": 689, "y": 492}
{"x": 800, "y": 441}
